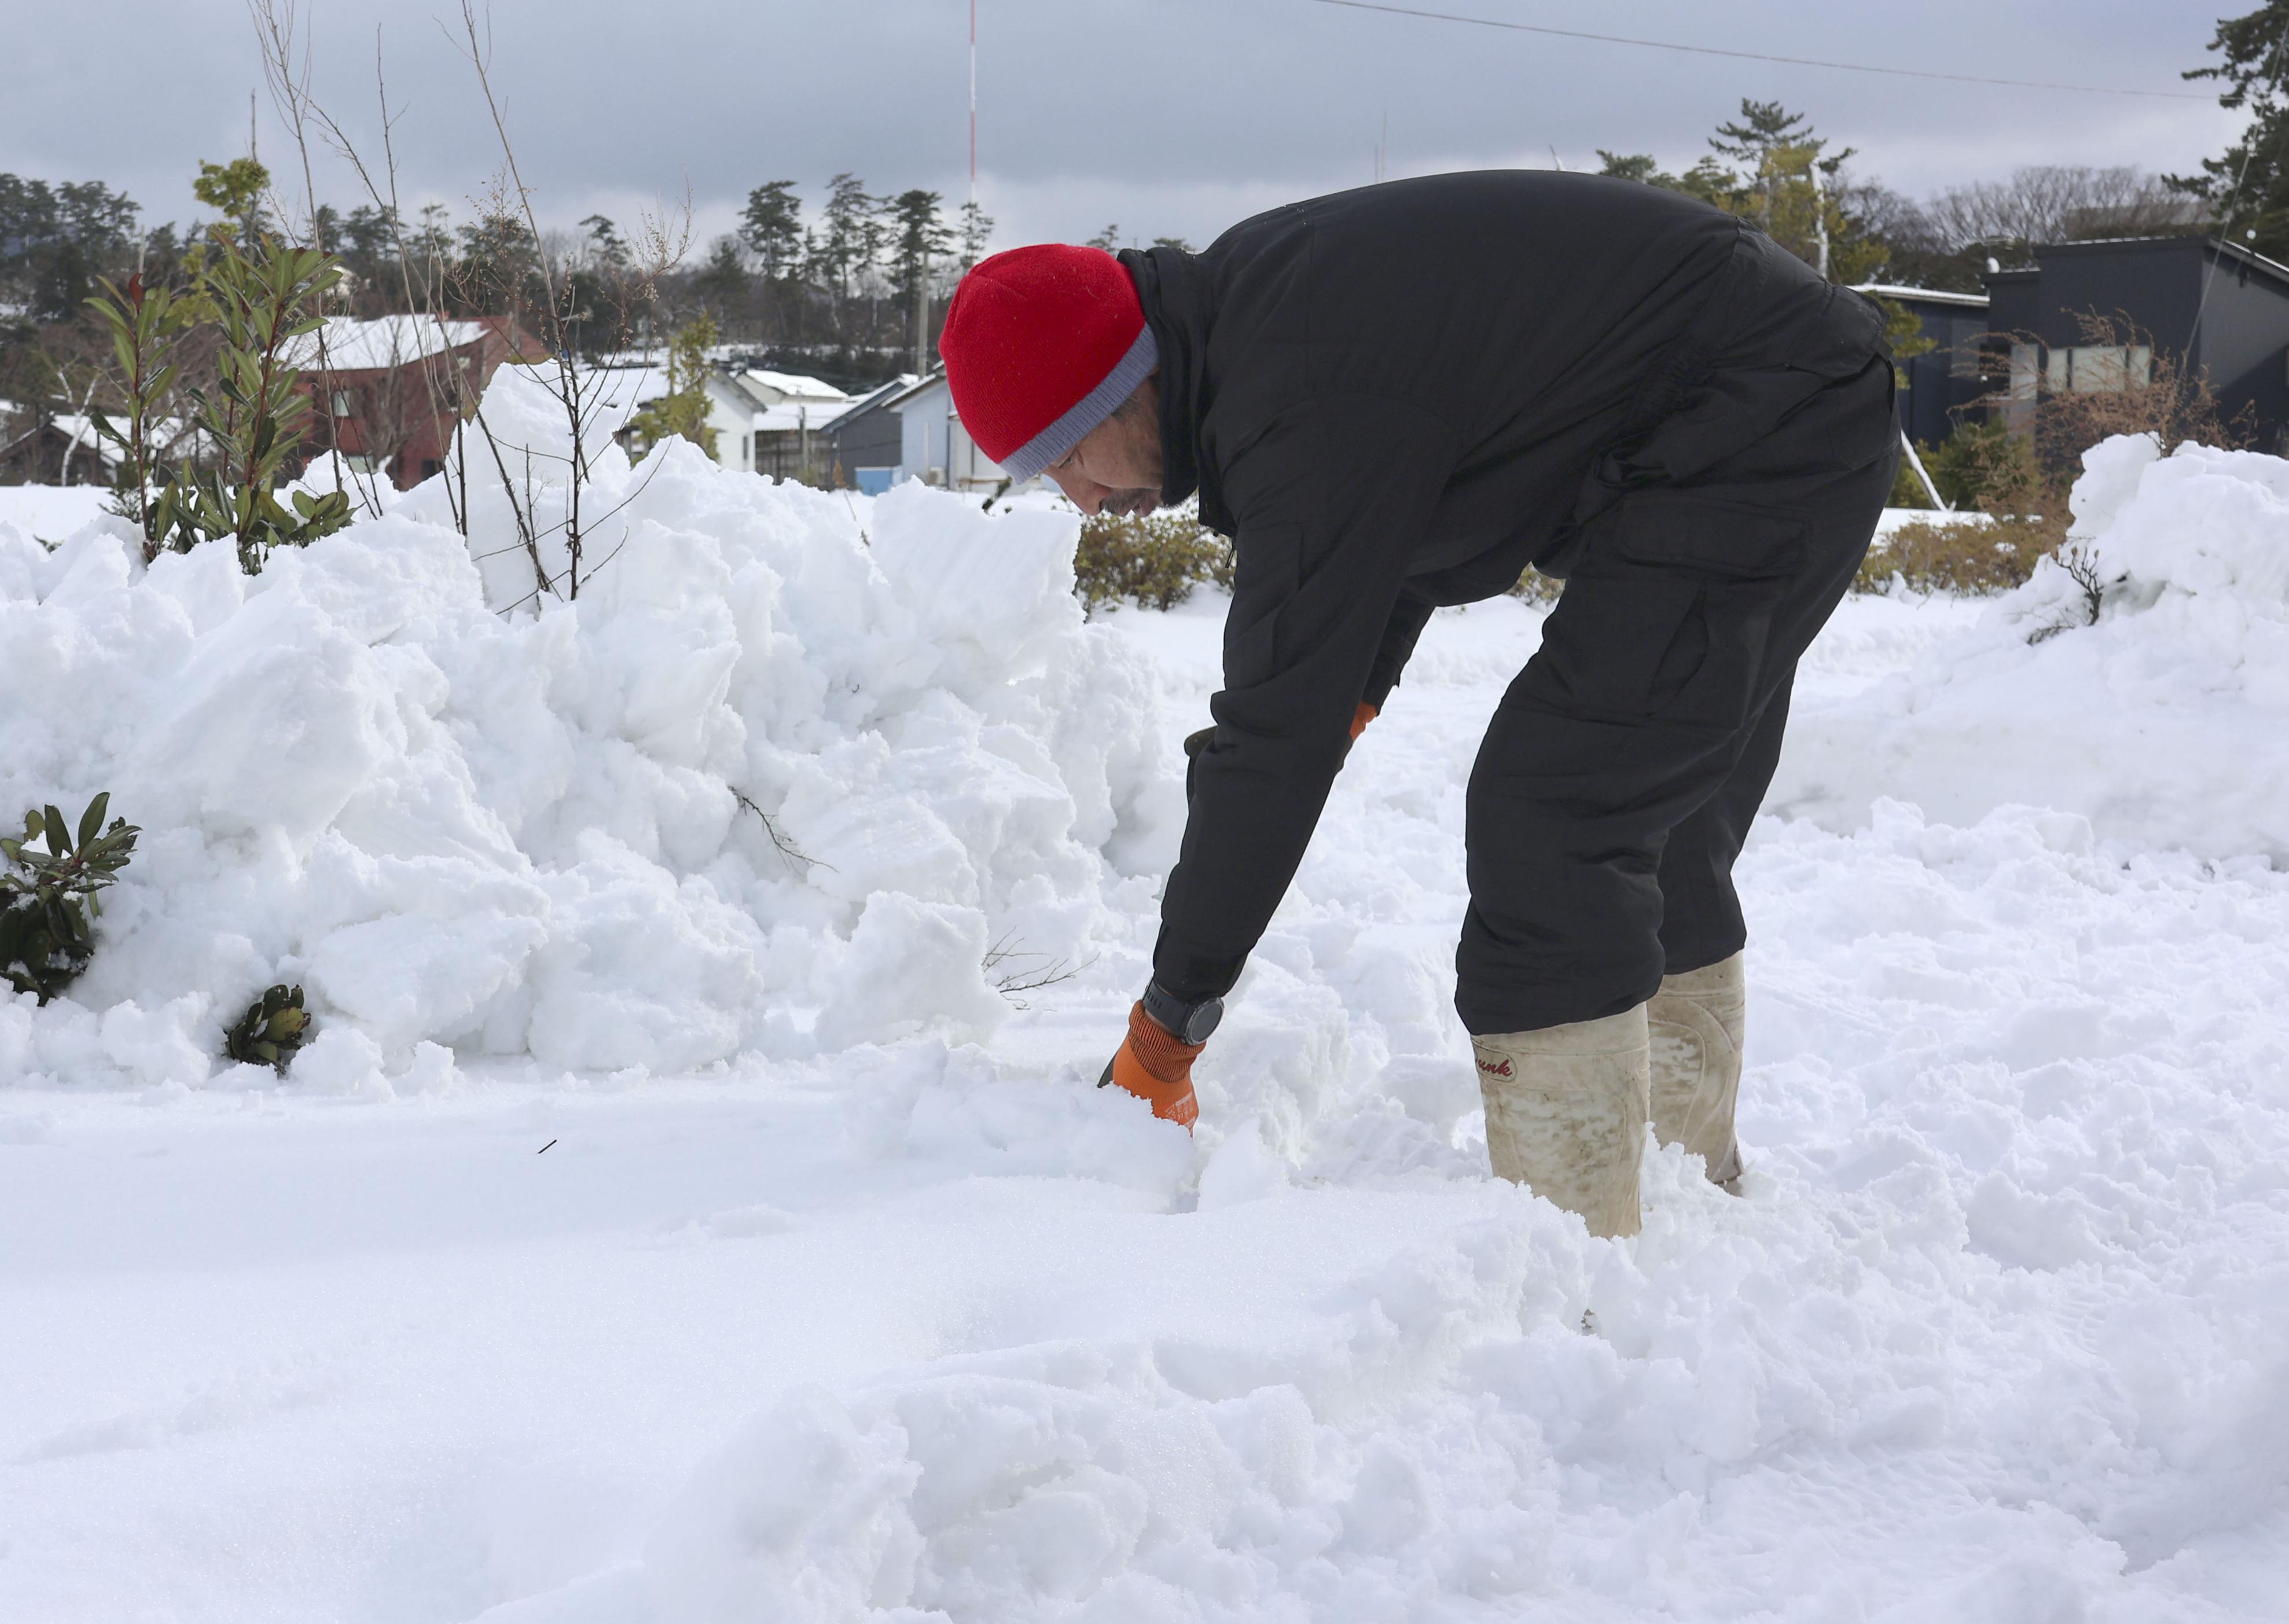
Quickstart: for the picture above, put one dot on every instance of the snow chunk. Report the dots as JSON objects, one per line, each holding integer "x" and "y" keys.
{"x": 2161, "y": 722}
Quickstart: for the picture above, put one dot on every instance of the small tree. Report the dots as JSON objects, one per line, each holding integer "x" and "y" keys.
{"x": 682, "y": 410}
{"x": 236, "y": 189}
{"x": 146, "y": 323}
{"x": 261, "y": 298}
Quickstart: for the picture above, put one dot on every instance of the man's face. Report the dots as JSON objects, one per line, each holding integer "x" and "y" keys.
{"x": 1116, "y": 467}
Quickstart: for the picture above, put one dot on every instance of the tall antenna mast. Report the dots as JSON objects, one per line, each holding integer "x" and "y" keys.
{"x": 973, "y": 102}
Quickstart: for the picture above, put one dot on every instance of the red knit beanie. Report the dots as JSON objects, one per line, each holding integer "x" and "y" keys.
{"x": 1040, "y": 345}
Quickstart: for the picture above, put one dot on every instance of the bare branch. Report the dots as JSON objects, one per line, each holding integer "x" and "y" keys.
{"x": 1046, "y": 972}
{"x": 788, "y": 851}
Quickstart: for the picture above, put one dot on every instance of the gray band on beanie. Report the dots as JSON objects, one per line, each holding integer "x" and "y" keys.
{"x": 1091, "y": 409}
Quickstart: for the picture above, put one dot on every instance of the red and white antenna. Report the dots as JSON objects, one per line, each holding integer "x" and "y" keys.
{"x": 973, "y": 100}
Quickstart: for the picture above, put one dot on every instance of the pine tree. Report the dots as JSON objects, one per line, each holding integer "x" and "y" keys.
{"x": 722, "y": 281}
{"x": 919, "y": 234}
{"x": 976, "y": 229}
{"x": 772, "y": 226}
{"x": 845, "y": 248}
{"x": 2250, "y": 180}
{"x": 605, "y": 243}
{"x": 1785, "y": 179}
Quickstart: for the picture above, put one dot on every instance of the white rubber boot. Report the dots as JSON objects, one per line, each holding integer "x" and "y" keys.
{"x": 1566, "y": 1114}
{"x": 1696, "y": 1022}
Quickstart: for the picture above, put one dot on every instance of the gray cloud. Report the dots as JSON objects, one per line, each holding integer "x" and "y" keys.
{"x": 1171, "y": 117}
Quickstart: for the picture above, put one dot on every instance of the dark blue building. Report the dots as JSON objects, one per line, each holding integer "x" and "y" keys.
{"x": 2222, "y": 307}
{"x": 1944, "y": 379}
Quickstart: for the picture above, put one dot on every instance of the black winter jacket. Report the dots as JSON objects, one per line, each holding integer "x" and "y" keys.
{"x": 1399, "y": 397}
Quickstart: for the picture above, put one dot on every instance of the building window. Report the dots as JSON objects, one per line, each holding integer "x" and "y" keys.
{"x": 2098, "y": 369}
{"x": 341, "y": 403}
{"x": 2110, "y": 368}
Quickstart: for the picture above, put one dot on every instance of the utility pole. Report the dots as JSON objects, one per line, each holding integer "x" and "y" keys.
{"x": 922, "y": 312}
{"x": 1820, "y": 225}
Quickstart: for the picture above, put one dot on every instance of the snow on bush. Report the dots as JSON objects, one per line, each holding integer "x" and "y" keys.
{"x": 2164, "y": 722}
{"x": 501, "y": 833}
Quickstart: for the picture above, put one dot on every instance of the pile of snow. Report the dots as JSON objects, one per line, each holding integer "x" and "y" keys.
{"x": 787, "y": 770}
{"x": 2164, "y": 722}
{"x": 924, "y": 1330}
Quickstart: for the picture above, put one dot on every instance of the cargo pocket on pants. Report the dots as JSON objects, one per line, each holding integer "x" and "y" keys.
{"x": 1708, "y": 676}
{"x": 1605, "y": 646}
{"x": 1739, "y": 561}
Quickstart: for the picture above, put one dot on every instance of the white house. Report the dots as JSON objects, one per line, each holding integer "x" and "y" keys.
{"x": 767, "y": 422}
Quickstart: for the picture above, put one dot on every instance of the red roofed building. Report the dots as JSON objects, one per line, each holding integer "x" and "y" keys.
{"x": 387, "y": 393}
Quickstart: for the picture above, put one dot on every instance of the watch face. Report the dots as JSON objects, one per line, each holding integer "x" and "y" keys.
{"x": 1185, "y": 1022}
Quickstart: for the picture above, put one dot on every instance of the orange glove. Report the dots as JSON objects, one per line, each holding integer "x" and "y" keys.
{"x": 1152, "y": 1064}
{"x": 1365, "y": 714}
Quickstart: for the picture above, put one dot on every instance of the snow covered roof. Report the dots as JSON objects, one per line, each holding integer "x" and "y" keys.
{"x": 933, "y": 378}
{"x": 353, "y": 344}
{"x": 1886, "y": 289}
{"x": 880, "y": 395}
{"x": 795, "y": 386}
{"x": 79, "y": 430}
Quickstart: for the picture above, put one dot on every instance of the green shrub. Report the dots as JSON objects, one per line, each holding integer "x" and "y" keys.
{"x": 273, "y": 1028}
{"x": 1941, "y": 555}
{"x": 1536, "y": 587}
{"x": 1155, "y": 561}
{"x": 47, "y": 898}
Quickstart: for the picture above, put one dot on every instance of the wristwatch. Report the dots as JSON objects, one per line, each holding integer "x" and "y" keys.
{"x": 1186, "y": 1023}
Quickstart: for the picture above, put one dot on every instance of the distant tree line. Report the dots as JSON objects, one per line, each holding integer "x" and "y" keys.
{"x": 851, "y": 291}
{"x": 843, "y": 292}
{"x": 855, "y": 288}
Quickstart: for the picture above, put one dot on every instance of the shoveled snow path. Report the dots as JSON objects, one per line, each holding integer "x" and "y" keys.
{"x": 2000, "y": 1332}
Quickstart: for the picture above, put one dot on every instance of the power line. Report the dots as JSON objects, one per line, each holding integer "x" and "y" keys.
{"x": 1758, "y": 56}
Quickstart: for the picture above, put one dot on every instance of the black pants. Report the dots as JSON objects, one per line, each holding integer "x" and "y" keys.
{"x": 1624, "y": 766}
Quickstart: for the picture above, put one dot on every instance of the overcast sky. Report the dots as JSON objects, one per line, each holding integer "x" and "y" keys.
{"x": 1170, "y": 118}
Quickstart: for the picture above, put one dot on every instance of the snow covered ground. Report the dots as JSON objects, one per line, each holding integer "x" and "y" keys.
{"x": 669, "y": 1229}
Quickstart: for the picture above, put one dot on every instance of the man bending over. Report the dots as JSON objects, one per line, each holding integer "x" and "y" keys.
{"x": 1400, "y": 397}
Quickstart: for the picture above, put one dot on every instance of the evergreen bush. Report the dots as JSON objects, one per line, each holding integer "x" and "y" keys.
{"x": 47, "y": 898}
{"x": 1155, "y": 559}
